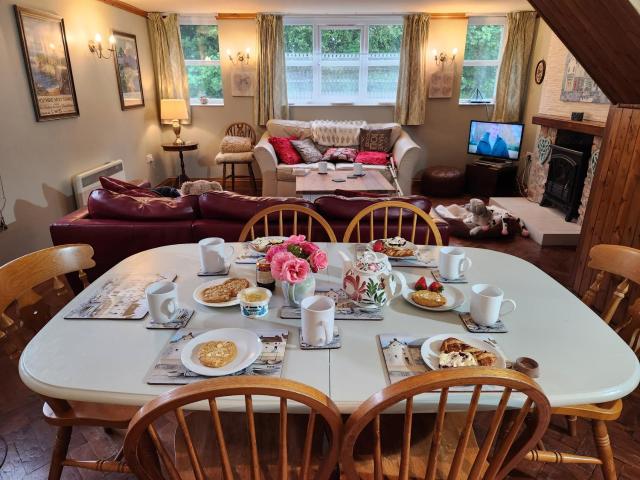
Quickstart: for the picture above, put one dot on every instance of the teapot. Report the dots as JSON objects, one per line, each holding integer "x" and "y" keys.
{"x": 369, "y": 281}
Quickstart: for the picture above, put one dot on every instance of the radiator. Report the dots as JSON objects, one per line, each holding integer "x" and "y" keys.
{"x": 84, "y": 183}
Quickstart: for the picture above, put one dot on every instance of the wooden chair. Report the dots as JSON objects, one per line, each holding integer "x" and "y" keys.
{"x": 624, "y": 262}
{"x": 239, "y": 129}
{"x": 287, "y": 213}
{"x": 503, "y": 447}
{"x": 370, "y": 211}
{"x": 238, "y": 448}
{"x": 25, "y": 306}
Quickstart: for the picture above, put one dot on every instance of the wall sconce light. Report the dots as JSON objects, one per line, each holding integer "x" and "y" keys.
{"x": 241, "y": 57}
{"x": 95, "y": 46}
{"x": 443, "y": 58}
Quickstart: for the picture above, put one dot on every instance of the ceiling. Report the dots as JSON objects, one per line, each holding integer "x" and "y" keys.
{"x": 330, "y": 6}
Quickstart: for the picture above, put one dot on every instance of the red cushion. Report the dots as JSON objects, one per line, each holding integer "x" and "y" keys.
{"x": 285, "y": 151}
{"x": 372, "y": 158}
{"x": 106, "y": 204}
{"x": 116, "y": 185}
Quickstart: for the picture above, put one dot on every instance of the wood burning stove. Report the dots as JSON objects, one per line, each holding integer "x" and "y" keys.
{"x": 565, "y": 180}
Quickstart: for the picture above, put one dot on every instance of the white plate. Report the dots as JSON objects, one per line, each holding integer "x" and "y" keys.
{"x": 230, "y": 303}
{"x": 248, "y": 344}
{"x": 430, "y": 349}
{"x": 252, "y": 246}
{"x": 454, "y": 297}
{"x": 407, "y": 245}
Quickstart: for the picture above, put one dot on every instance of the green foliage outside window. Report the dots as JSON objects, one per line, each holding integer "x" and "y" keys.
{"x": 481, "y": 55}
{"x": 483, "y": 42}
{"x": 338, "y": 40}
{"x": 385, "y": 38}
{"x": 200, "y": 43}
{"x": 298, "y": 39}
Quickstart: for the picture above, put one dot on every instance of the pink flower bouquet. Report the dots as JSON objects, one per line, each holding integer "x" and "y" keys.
{"x": 292, "y": 260}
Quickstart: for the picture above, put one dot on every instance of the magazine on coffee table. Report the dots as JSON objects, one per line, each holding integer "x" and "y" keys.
{"x": 169, "y": 370}
{"x": 121, "y": 297}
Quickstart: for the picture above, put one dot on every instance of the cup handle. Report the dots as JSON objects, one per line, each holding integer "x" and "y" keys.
{"x": 401, "y": 284}
{"x": 465, "y": 265}
{"x": 513, "y": 306}
{"x": 169, "y": 306}
{"x": 230, "y": 256}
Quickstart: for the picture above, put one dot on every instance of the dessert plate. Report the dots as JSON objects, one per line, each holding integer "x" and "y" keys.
{"x": 454, "y": 297}
{"x": 430, "y": 349}
{"x": 197, "y": 294}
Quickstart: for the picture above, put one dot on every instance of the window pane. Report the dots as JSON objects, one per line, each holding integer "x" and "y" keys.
{"x": 200, "y": 42}
{"x": 339, "y": 43}
{"x": 339, "y": 81}
{"x": 483, "y": 42}
{"x": 298, "y": 39}
{"x": 385, "y": 38}
{"x": 204, "y": 80}
{"x": 482, "y": 78}
{"x": 299, "y": 83}
{"x": 382, "y": 82}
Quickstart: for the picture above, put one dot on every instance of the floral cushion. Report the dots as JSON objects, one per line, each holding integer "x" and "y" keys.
{"x": 285, "y": 151}
{"x": 372, "y": 158}
{"x": 340, "y": 154}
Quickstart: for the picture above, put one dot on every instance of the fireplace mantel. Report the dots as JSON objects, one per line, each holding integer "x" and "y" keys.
{"x": 589, "y": 127}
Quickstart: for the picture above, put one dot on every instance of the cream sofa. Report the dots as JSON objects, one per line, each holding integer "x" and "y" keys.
{"x": 278, "y": 179}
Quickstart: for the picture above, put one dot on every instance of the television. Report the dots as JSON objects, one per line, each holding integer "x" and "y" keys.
{"x": 495, "y": 140}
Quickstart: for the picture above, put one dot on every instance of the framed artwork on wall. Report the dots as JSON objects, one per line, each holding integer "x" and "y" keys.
{"x": 242, "y": 82}
{"x": 128, "y": 70}
{"x": 441, "y": 83}
{"x": 46, "y": 59}
{"x": 578, "y": 86}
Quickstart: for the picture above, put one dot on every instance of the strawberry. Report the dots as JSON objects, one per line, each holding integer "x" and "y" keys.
{"x": 436, "y": 287}
{"x": 378, "y": 246}
{"x": 421, "y": 284}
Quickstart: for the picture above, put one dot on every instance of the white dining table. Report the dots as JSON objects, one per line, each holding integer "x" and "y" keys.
{"x": 582, "y": 360}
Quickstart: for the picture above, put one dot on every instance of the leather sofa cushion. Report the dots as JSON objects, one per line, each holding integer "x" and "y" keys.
{"x": 343, "y": 208}
{"x": 105, "y": 204}
{"x": 232, "y": 206}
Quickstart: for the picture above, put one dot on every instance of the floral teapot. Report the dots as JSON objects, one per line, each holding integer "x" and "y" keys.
{"x": 369, "y": 280}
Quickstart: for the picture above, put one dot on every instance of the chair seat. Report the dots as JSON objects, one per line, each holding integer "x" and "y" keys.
{"x": 603, "y": 411}
{"x": 91, "y": 414}
{"x": 243, "y": 157}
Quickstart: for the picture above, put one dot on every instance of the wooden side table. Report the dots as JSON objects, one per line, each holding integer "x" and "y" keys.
{"x": 180, "y": 148}
{"x": 491, "y": 180}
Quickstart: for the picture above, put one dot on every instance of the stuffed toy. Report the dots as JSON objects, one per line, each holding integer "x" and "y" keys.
{"x": 483, "y": 217}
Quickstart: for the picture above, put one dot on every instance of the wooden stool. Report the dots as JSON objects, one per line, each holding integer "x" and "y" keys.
{"x": 243, "y": 158}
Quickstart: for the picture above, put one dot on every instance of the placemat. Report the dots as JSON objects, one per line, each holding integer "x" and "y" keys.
{"x": 345, "y": 308}
{"x": 441, "y": 279}
{"x": 169, "y": 370}
{"x": 473, "y": 327}
{"x": 182, "y": 318}
{"x": 335, "y": 343}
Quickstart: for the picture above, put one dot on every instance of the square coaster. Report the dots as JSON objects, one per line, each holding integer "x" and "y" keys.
{"x": 182, "y": 318}
{"x": 221, "y": 273}
{"x": 441, "y": 279}
{"x": 498, "y": 327}
{"x": 336, "y": 343}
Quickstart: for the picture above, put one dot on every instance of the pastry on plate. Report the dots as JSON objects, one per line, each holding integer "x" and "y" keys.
{"x": 262, "y": 244}
{"x": 224, "y": 292}
{"x": 456, "y": 359}
{"x": 427, "y": 298}
{"x": 217, "y": 353}
{"x": 451, "y": 346}
{"x": 394, "y": 247}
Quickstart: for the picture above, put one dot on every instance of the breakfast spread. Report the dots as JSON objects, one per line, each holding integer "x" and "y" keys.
{"x": 224, "y": 292}
{"x": 456, "y": 353}
{"x": 254, "y": 295}
{"x": 427, "y": 298}
{"x": 262, "y": 244}
{"x": 394, "y": 247}
{"x": 217, "y": 353}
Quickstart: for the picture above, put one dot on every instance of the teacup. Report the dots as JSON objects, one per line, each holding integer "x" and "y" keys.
{"x": 357, "y": 169}
{"x": 453, "y": 262}
{"x": 162, "y": 299}
{"x": 323, "y": 167}
{"x": 486, "y": 304}
{"x": 213, "y": 254}
{"x": 318, "y": 314}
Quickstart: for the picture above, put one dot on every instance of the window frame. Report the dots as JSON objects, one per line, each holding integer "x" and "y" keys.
{"x": 334, "y": 22}
{"x": 203, "y": 19}
{"x": 485, "y": 20}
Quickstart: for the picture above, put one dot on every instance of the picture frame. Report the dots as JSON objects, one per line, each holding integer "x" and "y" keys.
{"x": 243, "y": 82}
{"x": 47, "y": 64}
{"x": 541, "y": 69}
{"x": 128, "y": 73}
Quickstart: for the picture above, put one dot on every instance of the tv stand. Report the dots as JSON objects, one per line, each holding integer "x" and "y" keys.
{"x": 488, "y": 178}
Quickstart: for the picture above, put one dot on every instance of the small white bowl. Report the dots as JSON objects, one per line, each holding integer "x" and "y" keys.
{"x": 255, "y": 309}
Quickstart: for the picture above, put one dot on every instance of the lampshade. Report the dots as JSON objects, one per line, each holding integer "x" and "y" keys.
{"x": 173, "y": 109}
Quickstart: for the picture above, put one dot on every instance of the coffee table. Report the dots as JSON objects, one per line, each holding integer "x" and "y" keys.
{"x": 314, "y": 184}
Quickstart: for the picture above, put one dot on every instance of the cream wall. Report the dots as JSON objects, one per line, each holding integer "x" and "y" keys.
{"x": 37, "y": 159}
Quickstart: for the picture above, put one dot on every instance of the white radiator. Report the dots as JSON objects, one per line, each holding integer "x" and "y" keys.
{"x": 84, "y": 183}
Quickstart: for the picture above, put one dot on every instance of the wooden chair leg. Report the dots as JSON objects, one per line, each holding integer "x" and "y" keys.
{"x": 224, "y": 176}
{"x": 253, "y": 179}
{"x": 59, "y": 454}
{"x": 572, "y": 425}
{"x": 233, "y": 177}
{"x": 605, "y": 453}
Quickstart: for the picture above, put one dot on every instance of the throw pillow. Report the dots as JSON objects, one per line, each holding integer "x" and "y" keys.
{"x": 139, "y": 192}
{"x": 340, "y": 154}
{"x": 372, "y": 158}
{"x": 231, "y": 144}
{"x": 307, "y": 150}
{"x": 375, "y": 140}
{"x": 118, "y": 186}
{"x": 284, "y": 150}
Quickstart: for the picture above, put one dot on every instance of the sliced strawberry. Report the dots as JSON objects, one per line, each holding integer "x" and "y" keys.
{"x": 436, "y": 287}
{"x": 421, "y": 284}
{"x": 378, "y": 246}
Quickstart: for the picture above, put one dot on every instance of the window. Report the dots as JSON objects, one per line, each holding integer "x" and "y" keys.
{"x": 355, "y": 60}
{"x": 199, "y": 36}
{"x": 482, "y": 54}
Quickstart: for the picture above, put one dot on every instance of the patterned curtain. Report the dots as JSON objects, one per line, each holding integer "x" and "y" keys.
{"x": 270, "y": 99}
{"x": 514, "y": 68}
{"x": 411, "y": 99}
{"x": 168, "y": 59}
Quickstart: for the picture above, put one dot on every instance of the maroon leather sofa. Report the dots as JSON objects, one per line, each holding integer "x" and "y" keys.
{"x": 118, "y": 226}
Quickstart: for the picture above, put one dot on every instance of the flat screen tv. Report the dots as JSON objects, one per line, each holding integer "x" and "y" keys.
{"x": 495, "y": 140}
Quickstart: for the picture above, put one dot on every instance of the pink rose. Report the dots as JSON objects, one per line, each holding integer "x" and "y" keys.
{"x": 277, "y": 263}
{"x": 295, "y": 270}
{"x": 318, "y": 260}
{"x": 294, "y": 239}
{"x": 275, "y": 249}
{"x": 308, "y": 248}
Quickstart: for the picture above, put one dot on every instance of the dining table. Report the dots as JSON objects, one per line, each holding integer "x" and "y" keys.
{"x": 582, "y": 360}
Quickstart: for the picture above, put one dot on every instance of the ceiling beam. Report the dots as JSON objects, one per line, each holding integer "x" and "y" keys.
{"x": 125, "y": 6}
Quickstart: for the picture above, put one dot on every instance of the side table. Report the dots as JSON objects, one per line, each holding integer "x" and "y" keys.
{"x": 497, "y": 180}
{"x": 180, "y": 148}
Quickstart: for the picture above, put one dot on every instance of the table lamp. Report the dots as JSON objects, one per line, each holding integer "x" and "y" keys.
{"x": 174, "y": 109}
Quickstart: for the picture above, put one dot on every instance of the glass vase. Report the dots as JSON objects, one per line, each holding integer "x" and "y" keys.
{"x": 294, "y": 293}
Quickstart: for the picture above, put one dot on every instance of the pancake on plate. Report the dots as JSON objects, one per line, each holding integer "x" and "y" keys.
{"x": 217, "y": 353}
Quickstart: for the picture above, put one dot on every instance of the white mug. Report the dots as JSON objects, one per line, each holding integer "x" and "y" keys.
{"x": 322, "y": 167}
{"x": 487, "y": 302}
{"x": 162, "y": 299}
{"x": 318, "y": 314}
{"x": 453, "y": 262}
{"x": 357, "y": 168}
{"x": 212, "y": 254}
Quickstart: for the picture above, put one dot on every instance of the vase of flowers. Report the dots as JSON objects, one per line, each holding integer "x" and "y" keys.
{"x": 293, "y": 263}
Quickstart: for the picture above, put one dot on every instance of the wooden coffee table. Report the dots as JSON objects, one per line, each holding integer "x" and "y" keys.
{"x": 314, "y": 184}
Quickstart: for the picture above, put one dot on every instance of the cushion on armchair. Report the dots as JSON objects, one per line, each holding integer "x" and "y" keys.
{"x": 285, "y": 151}
{"x": 372, "y": 158}
{"x": 375, "y": 140}
{"x": 232, "y": 144}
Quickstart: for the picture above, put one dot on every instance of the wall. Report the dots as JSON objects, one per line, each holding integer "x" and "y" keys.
{"x": 39, "y": 158}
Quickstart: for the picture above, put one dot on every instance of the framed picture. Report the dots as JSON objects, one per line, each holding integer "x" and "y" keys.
{"x": 46, "y": 59}
{"x": 128, "y": 71}
{"x": 242, "y": 82}
{"x": 441, "y": 83}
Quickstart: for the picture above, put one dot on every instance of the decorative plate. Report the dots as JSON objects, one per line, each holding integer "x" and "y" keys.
{"x": 197, "y": 294}
{"x": 541, "y": 69}
{"x": 454, "y": 297}
{"x": 409, "y": 245}
{"x": 430, "y": 349}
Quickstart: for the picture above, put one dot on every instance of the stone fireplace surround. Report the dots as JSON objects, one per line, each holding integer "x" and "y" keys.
{"x": 549, "y": 126}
